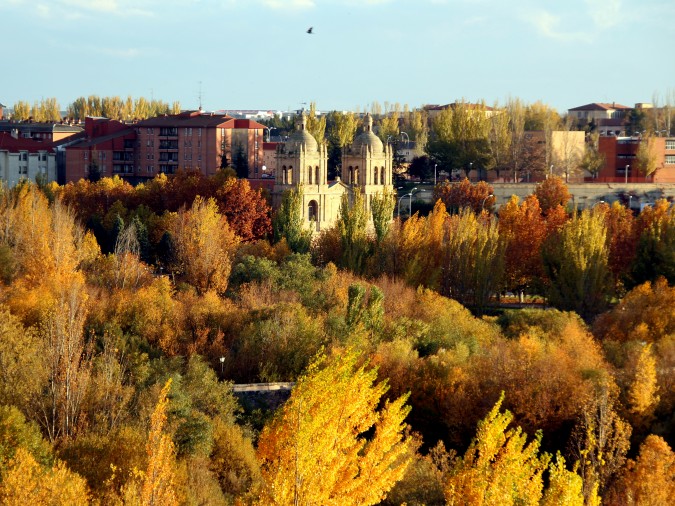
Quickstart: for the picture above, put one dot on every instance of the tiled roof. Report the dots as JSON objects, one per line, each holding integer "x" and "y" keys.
{"x": 9, "y": 143}
{"x": 186, "y": 119}
{"x": 85, "y": 143}
{"x": 600, "y": 106}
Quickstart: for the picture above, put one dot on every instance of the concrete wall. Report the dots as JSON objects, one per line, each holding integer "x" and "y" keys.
{"x": 584, "y": 194}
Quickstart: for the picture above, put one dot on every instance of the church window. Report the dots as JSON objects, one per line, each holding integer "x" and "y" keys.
{"x": 375, "y": 173}
{"x": 382, "y": 180}
{"x": 313, "y": 211}
{"x": 317, "y": 175}
{"x": 309, "y": 174}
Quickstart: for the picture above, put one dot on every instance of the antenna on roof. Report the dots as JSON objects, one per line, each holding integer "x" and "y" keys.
{"x": 200, "y": 96}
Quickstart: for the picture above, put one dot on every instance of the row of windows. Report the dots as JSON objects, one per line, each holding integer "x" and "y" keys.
{"x": 379, "y": 175}
{"x": 23, "y": 156}
{"x": 670, "y": 159}
{"x": 670, "y": 144}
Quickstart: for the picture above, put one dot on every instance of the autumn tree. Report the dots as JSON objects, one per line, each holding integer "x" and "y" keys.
{"x": 551, "y": 193}
{"x": 159, "y": 481}
{"x": 601, "y": 438}
{"x": 289, "y": 224}
{"x": 27, "y": 482}
{"x": 21, "y": 111}
{"x": 642, "y": 393}
{"x": 473, "y": 259}
{"x": 500, "y": 467}
{"x": 649, "y": 480}
{"x": 655, "y": 254}
{"x": 576, "y": 262}
{"x": 316, "y": 451}
{"x": 316, "y": 124}
{"x": 204, "y": 245}
{"x": 592, "y": 160}
{"x": 464, "y": 194}
{"x": 523, "y": 229}
{"x": 646, "y": 157}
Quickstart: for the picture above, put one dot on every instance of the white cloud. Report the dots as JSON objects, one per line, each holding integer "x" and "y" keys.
{"x": 605, "y": 13}
{"x": 548, "y": 25}
{"x": 42, "y": 10}
{"x": 289, "y": 4}
{"x": 117, "y": 7}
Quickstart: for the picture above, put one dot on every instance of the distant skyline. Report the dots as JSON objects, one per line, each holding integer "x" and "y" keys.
{"x": 257, "y": 54}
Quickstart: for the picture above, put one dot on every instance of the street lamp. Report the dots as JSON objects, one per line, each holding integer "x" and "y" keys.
{"x": 625, "y": 173}
{"x": 407, "y": 141}
{"x": 482, "y": 207}
{"x": 402, "y": 197}
{"x": 411, "y": 196}
{"x": 551, "y": 170}
{"x": 269, "y": 133}
{"x": 435, "y": 165}
{"x": 222, "y": 361}
{"x": 470, "y": 168}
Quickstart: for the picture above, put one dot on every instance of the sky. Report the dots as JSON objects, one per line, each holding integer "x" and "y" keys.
{"x": 256, "y": 54}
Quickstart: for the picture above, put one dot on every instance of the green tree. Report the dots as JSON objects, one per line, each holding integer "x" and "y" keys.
{"x": 382, "y": 207}
{"x": 351, "y": 224}
{"x": 288, "y": 222}
{"x": 576, "y": 262}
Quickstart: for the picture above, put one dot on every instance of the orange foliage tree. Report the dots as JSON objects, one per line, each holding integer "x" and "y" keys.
{"x": 551, "y": 193}
{"x": 457, "y": 196}
{"x": 523, "y": 228}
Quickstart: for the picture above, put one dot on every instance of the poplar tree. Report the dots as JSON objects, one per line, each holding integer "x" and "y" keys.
{"x": 288, "y": 222}
{"x": 336, "y": 449}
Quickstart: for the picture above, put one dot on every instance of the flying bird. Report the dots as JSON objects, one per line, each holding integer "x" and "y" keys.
{"x": 310, "y": 30}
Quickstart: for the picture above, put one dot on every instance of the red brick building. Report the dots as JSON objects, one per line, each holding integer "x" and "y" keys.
{"x": 197, "y": 140}
{"x": 620, "y": 160}
{"x": 108, "y": 147}
{"x": 192, "y": 140}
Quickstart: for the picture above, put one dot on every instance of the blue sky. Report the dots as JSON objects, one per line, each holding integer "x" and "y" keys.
{"x": 255, "y": 53}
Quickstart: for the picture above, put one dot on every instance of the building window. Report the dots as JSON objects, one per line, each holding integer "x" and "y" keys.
{"x": 309, "y": 174}
{"x": 313, "y": 211}
{"x": 670, "y": 144}
{"x": 199, "y": 132}
{"x": 670, "y": 159}
{"x": 199, "y": 143}
{"x": 317, "y": 175}
{"x": 23, "y": 156}
{"x": 86, "y": 155}
{"x": 382, "y": 180}
{"x": 376, "y": 174}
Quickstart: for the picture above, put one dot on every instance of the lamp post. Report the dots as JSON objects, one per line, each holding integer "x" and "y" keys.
{"x": 402, "y": 197}
{"x": 482, "y": 207}
{"x": 551, "y": 170}
{"x": 470, "y": 168}
{"x": 435, "y": 165}
{"x": 625, "y": 173}
{"x": 269, "y": 133}
{"x": 630, "y": 198}
{"x": 222, "y": 361}
{"x": 407, "y": 139}
{"x": 411, "y": 196}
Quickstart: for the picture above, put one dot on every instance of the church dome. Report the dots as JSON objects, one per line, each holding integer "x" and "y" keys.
{"x": 302, "y": 138}
{"x": 368, "y": 138}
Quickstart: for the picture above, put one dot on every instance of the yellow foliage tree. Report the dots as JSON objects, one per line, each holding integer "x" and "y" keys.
{"x": 316, "y": 451}
{"x": 204, "y": 245}
{"x": 26, "y": 482}
{"x": 158, "y": 485}
{"x": 642, "y": 395}
{"x": 499, "y": 467}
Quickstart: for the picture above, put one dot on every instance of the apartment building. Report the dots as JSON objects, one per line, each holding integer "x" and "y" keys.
{"x": 25, "y": 159}
{"x": 621, "y": 159}
{"x": 199, "y": 141}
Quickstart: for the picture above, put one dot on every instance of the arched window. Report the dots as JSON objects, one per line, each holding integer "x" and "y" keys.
{"x": 313, "y": 211}
{"x": 309, "y": 174}
{"x": 284, "y": 175}
{"x": 382, "y": 179}
{"x": 375, "y": 174}
{"x": 318, "y": 179}
{"x": 351, "y": 174}
{"x": 289, "y": 178}
{"x": 356, "y": 175}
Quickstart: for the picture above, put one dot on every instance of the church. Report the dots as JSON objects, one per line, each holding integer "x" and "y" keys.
{"x": 302, "y": 161}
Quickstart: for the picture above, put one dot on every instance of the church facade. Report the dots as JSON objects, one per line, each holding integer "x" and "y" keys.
{"x": 303, "y": 162}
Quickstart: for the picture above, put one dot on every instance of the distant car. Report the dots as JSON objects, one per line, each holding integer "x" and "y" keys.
{"x": 267, "y": 176}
